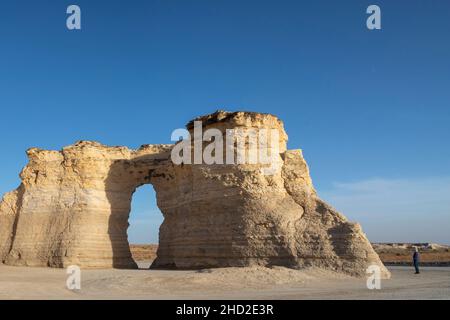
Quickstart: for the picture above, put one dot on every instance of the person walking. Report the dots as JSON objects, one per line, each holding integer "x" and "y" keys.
{"x": 416, "y": 259}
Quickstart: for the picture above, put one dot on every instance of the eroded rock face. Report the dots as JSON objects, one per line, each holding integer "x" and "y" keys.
{"x": 73, "y": 206}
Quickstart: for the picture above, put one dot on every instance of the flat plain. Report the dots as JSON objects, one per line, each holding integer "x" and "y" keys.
{"x": 223, "y": 283}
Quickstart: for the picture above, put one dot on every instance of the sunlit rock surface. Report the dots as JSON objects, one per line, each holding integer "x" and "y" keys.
{"x": 73, "y": 207}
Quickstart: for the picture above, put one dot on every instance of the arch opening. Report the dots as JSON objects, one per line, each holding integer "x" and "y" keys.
{"x": 143, "y": 226}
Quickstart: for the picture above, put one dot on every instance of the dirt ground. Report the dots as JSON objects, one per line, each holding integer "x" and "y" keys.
{"x": 226, "y": 283}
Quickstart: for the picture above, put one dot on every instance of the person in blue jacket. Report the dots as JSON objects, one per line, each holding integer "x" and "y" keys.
{"x": 416, "y": 259}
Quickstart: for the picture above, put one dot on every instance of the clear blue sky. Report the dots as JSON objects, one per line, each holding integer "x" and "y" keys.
{"x": 370, "y": 109}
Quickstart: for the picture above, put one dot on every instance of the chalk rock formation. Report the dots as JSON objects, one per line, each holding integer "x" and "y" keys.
{"x": 73, "y": 206}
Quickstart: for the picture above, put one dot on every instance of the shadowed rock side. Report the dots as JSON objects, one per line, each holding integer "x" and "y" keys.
{"x": 73, "y": 207}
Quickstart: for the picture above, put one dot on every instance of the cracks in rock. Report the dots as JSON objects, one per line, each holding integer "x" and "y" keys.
{"x": 18, "y": 205}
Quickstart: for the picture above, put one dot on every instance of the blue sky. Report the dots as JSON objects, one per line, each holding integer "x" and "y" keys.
{"x": 370, "y": 109}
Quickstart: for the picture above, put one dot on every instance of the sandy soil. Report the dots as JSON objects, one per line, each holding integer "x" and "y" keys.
{"x": 227, "y": 283}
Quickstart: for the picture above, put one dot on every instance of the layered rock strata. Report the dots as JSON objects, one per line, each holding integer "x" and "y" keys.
{"x": 73, "y": 207}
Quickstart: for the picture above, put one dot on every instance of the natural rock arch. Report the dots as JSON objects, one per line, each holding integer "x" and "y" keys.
{"x": 73, "y": 206}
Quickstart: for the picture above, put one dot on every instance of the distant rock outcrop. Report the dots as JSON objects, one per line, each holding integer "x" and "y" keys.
{"x": 73, "y": 206}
